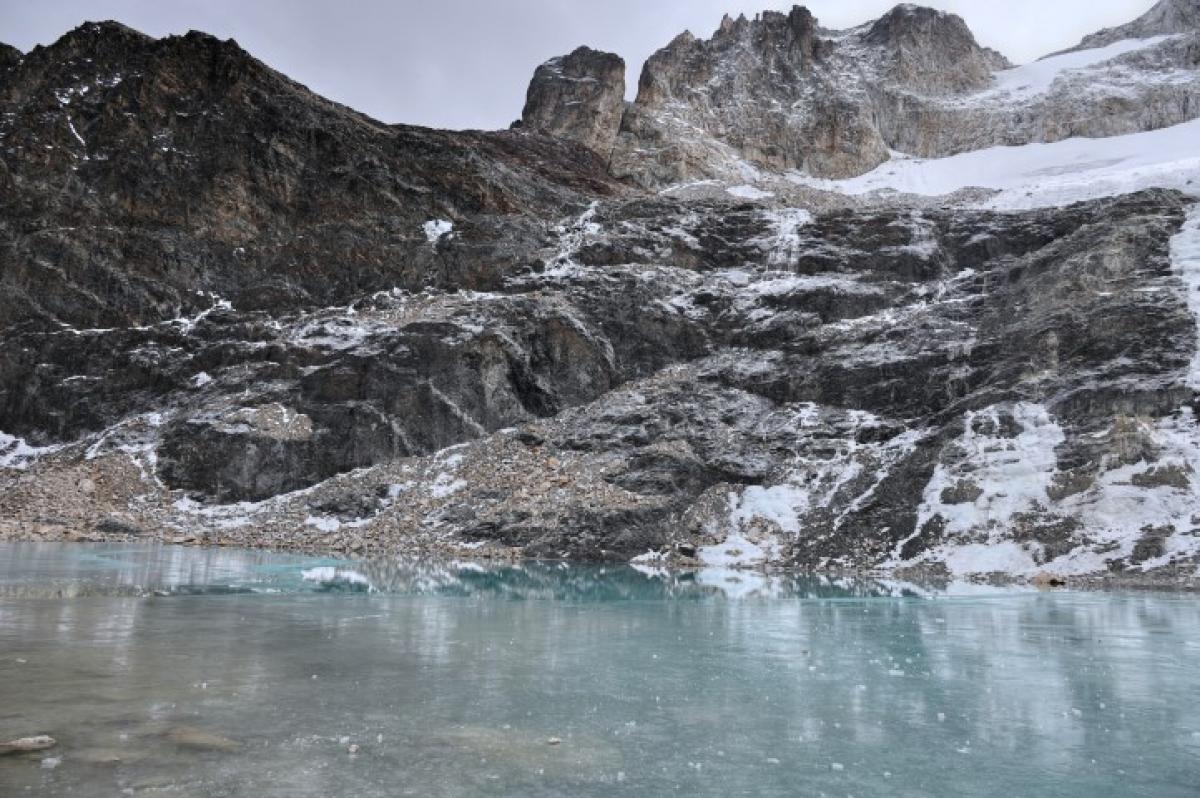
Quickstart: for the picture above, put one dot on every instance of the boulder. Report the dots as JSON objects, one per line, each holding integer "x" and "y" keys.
{"x": 579, "y": 96}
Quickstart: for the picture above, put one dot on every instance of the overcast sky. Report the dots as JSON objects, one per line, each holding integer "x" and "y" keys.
{"x": 466, "y": 63}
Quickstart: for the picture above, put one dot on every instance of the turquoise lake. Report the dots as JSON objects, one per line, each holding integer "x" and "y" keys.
{"x": 167, "y": 671}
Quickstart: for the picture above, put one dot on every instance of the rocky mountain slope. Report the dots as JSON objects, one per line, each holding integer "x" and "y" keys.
{"x": 1170, "y": 17}
{"x": 234, "y": 312}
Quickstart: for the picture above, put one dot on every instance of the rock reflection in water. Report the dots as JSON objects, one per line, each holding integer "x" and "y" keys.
{"x": 53, "y": 570}
{"x": 541, "y": 580}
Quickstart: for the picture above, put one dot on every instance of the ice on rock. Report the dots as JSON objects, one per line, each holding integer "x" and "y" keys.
{"x": 762, "y": 518}
{"x": 784, "y": 244}
{"x": 1011, "y": 474}
{"x": 15, "y": 453}
{"x": 988, "y": 481}
{"x": 1185, "y": 258}
{"x": 984, "y": 480}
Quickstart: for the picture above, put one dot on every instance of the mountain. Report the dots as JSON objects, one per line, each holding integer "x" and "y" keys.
{"x": 791, "y": 306}
{"x": 145, "y": 175}
{"x": 780, "y": 93}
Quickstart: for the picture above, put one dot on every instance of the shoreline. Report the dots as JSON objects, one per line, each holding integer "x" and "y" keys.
{"x": 484, "y": 555}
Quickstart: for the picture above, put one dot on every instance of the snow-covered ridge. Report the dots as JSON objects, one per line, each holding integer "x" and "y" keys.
{"x": 1029, "y": 80}
{"x": 1043, "y": 175}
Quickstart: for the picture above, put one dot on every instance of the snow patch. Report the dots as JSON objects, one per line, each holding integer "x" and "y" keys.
{"x": 748, "y": 192}
{"x": 16, "y": 454}
{"x": 776, "y": 504}
{"x": 74, "y": 132}
{"x": 445, "y": 485}
{"x": 1030, "y": 80}
{"x": 323, "y": 523}
{"x": 737, "y": 551}
{"x": 436, "y": 228}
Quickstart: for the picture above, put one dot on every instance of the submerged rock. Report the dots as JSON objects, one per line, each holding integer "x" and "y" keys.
{"x": 201, "y": 740}
{"x": 25, "y": 745}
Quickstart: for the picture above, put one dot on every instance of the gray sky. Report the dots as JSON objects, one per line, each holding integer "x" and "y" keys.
{"x": 466, "y": 63}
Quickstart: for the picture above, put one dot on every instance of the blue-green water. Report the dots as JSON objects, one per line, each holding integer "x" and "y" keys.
{"x": 188, "y": 672}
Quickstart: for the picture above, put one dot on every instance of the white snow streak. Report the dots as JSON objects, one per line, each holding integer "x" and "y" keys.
{"x": 1185, "y": 257}
{"x": 1030, "y": 80}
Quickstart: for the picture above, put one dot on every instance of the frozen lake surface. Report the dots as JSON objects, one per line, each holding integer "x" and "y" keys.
{"x": 191, "y": 672}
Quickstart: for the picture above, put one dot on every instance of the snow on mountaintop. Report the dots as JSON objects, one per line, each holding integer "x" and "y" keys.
{"x": 1043, "y": 175}
{"x": 1029, "y": 80}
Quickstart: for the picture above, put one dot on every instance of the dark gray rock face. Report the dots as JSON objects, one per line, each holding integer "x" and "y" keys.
{"x": 235, "y": 312}
{"x": 145, "y": 176}
{"x": 931, "y": 52}
{"x": 579, "y": 97}
{"x": 9, "y": 57}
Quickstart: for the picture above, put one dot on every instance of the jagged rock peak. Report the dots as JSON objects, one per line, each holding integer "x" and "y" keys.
{"x": 800, "y": 21}
{"x": 780, "y": 92}
{"x": 119, "y": 47}
{"x": 1166, "y": 17}
{"x": 782, "y": 40}
{"x": 90, "y": 39}
{"x": 579, "y": 96}
{"x": 9, "y": 56}
{"x": 932, "y": 51}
